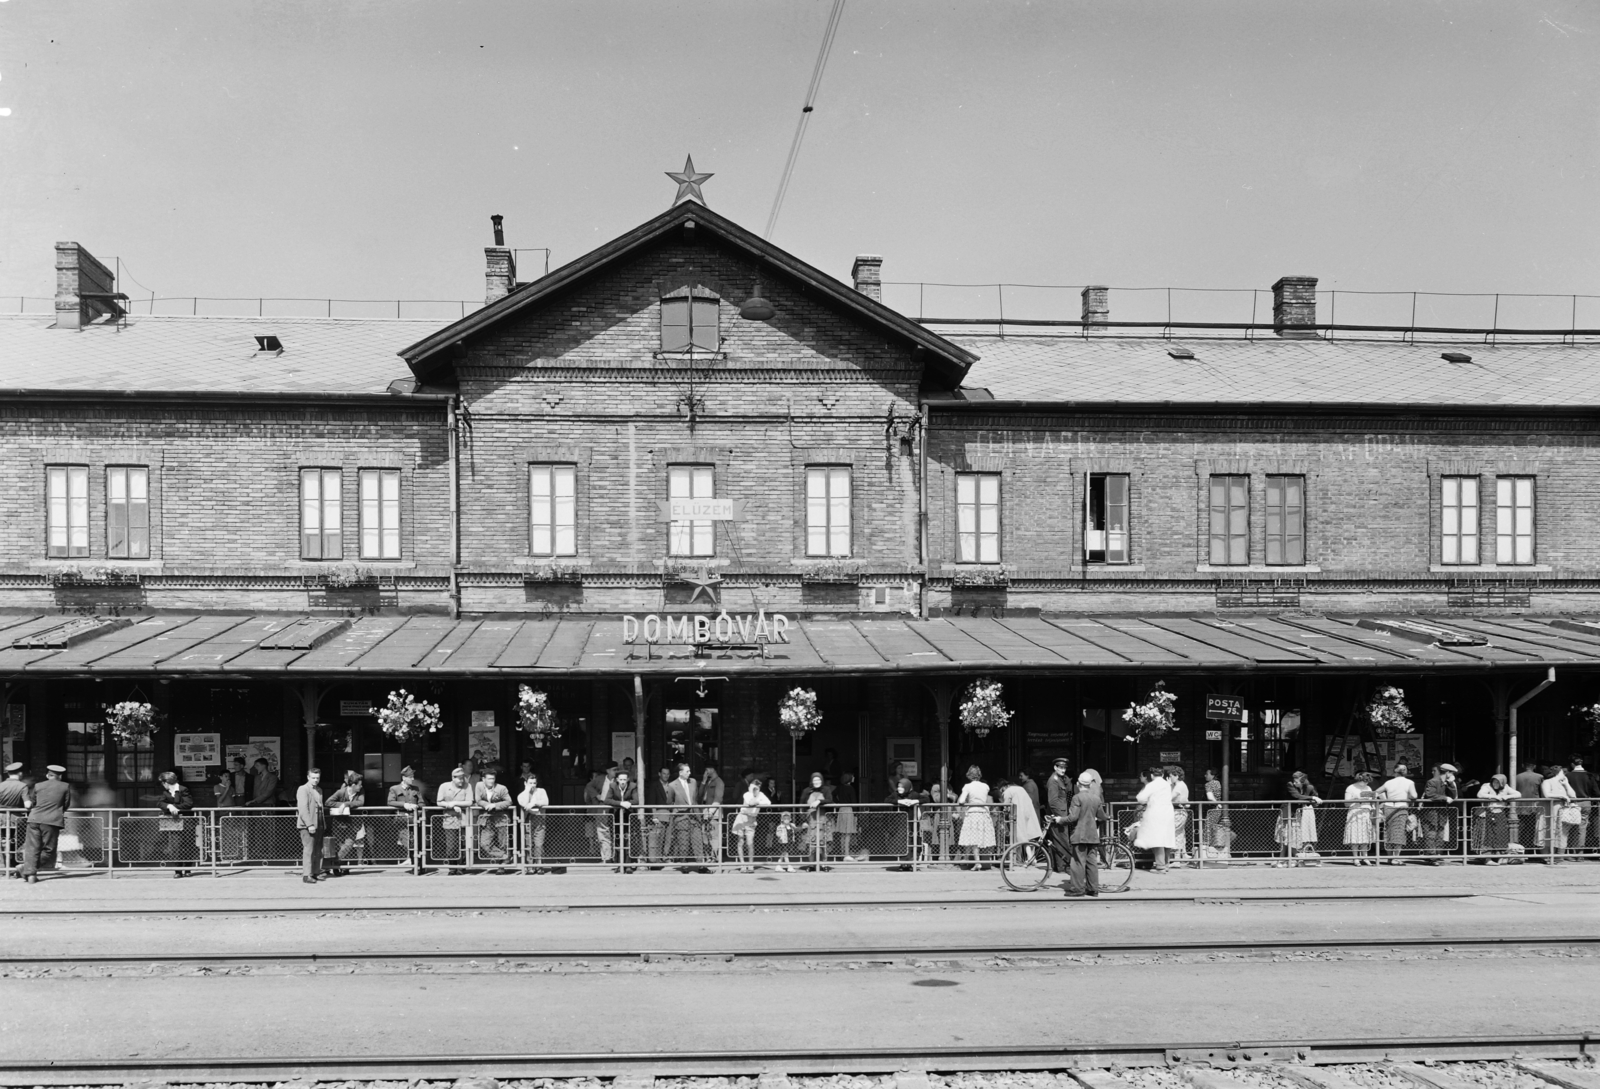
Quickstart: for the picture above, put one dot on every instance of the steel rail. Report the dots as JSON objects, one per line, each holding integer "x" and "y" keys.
{"x": 1215, "y": 896}
{"x": 1052, "y": 1056}
{"x": 857, "y": 953}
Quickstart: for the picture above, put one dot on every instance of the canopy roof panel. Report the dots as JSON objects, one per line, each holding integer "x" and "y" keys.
{"x": 433, "y": 646}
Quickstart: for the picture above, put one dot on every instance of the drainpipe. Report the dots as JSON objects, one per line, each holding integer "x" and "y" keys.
{"x": 922, "y": 510}
{"x": 455, "y": 508}
{"x": 1511, "y": 740}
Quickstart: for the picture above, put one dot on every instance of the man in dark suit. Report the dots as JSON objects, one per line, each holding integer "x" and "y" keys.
{"x": 683, "y": 794}
{"x": 47, "y": 804}
{"x": 1058, "y": 801}
{"x": 1583, "y": 784}
{"x": 1083, "y": 825}
{"x": 13, "y": 794}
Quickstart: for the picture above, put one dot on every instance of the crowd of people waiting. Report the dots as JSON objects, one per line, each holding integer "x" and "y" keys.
{"x": 676, "y": 818}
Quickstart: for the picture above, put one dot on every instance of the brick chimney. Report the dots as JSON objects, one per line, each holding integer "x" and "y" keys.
{"x": 867, "y": 272}
{"x": 1096, "y": 307}
{"x": 501, "y": 277}
{"x": 85, "y": 289}
{"x": 1294, "y": 306}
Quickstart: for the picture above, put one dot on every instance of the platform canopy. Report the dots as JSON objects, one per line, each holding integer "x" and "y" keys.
{"x": 287, "y": 645}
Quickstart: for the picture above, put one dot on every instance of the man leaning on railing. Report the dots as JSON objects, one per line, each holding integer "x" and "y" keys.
{"x": 409, "y": 797}
{"x": 13, "y": 792}
{"x": 455, "y": 798}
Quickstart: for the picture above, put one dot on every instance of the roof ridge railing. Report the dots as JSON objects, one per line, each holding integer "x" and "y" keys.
{"x": 1322, "y": 330}
{"x": 189, "y": 306}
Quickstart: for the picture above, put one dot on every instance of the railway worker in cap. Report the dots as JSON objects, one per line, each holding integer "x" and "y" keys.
{"x": 13, "y": 792}
{"x": 455, "y": 798}
{"x": 47, "y": 804}
{"x": 310, "y": 818}
{"x": 1083, "y": 836}
{"x": 1439, "y": 796}
{"x": 408, "y": 796}
{"x": 1058, "y": 792}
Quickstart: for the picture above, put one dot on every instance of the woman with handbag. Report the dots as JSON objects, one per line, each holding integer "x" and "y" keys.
{"x": 177, "y": 832}
{"x": 1561, "y": 817}
{"x": 1360, "y": 819}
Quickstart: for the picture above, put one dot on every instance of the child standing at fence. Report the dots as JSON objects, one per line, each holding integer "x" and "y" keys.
{"x": 784, "y": 833}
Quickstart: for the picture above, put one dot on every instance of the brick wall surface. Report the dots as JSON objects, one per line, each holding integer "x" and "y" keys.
{"x": 1372, "y": 499}
{"x": 224, "y": 484}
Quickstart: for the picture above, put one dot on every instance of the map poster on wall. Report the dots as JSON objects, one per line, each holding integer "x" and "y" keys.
{"x": 260, "y": 748}
{"x": 196, "y": 750}
{"x": 13, "y": 729}
{"x": 483, "y": 738}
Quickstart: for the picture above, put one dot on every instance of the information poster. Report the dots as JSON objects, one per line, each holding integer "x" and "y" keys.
{"x": 260, "y": 748}
{"x": 197, "y": 750}
{"x": 483, "y": 739}
{"x": 13, "y": 730}
{"x": 622, "y": 747}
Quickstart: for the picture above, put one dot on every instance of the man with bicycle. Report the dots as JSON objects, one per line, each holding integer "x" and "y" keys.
{"x": 1081, "y": 826}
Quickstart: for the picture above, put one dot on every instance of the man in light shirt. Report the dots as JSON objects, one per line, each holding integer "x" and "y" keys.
{"x": 1397, "y": 795}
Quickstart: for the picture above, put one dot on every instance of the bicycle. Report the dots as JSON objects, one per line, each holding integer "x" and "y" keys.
{"x": 1027, "y": 865}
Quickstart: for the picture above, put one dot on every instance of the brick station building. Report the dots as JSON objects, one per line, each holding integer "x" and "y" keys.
{"x": 265, "y": 525}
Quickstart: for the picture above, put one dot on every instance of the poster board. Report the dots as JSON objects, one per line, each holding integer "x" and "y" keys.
{"x": 197, "y": 750}
{"x": 622, "y": 746}
{"x": 483, "y": 739}
{"x": 13, "y": 731}
{"x": 269, "y": 749}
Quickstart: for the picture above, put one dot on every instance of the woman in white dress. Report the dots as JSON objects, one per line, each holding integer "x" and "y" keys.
{"x": 1156, "y": 820}
{"x": 977, "y": 827}
{"x": 1361, "y": 818}
{"x": 1024, "y": 818}
{"x": 1180, "y": 810}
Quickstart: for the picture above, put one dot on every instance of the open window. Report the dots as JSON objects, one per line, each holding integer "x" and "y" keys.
{"x": 1105, "y": 535}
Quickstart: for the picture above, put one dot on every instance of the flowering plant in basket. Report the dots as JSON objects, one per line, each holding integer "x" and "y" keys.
{"x": 1156, "y": 717}
{"x": 1388, "y": 713}
{"x": 535, "y": 715}
{"x": 798, "y": 712}
{"x": 405, "y": 717}
{"x": 982, "y": 709}
{"x": 130, "y": 721}
{"x": 1589, "y": 715}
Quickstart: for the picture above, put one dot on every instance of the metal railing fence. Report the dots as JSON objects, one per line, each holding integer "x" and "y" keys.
{"x": 732, "y": 837}
{"x": 1375, "y": 830}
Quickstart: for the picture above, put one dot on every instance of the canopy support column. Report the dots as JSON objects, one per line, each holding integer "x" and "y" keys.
{"x": 1511, "y": 740}
{"x": 943, "y": 691}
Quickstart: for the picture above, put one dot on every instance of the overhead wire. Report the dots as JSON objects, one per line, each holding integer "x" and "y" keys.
{"x": 805, "y": 113}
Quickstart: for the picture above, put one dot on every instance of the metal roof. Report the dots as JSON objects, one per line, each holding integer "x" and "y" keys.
{"x": 1311, "y": 371}
{"x": 206, "y": 355}
{"x": 288, "y": 646}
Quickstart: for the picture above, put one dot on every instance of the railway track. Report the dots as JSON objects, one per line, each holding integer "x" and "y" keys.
{"x": 1296, "y": 1059}
{"x": 853, "y": 953}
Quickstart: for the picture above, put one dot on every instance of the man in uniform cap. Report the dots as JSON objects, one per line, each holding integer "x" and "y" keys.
{"x": 47, "y": 804}
{"x": 13, "y": 792}
{"x": 1058, "y": 802}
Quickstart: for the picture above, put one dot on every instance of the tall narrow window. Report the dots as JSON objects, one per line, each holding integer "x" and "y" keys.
{"x": 86, "y": 749}
{"x": 1230, "y": 520}
{"x": 978, "y": 517}
{"x": 1458, "y": 519}
{"x": 827, "y": 510}
{"x": 689, "y": 324}
{"x": 552, "y": 493}
{"x": 690, "y": 537}
{"x": 128, "y": 512}
{"x": 1513, "y": 519}
{"x": 1105, "y": 533}
{"x": 1286, "y": 520}
{"x": 67, "y": 511}
{"x": 380, "y": 514}
{"x": 320, "y": 516}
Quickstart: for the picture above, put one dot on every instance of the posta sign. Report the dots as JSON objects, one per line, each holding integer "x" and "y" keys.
{"x": 691, "y": 629}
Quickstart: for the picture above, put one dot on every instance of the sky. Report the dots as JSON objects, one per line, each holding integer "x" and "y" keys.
{"x": 356, "y": 150}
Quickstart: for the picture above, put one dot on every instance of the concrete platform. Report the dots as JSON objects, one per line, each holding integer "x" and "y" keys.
{"x": 267, "y": 890}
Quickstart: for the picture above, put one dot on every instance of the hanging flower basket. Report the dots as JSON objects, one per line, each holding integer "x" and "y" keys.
{"x": 1155, "y": 718}
{"x": 982, "y": 709}
{"x": 1590, "y": 716}
{"x": 1388, "y": 713}
{"x": 536, "y": 716}
{"x": 405, "y": 717}
{"x": 798, "y": 712}
{"x": 130, "y": 721}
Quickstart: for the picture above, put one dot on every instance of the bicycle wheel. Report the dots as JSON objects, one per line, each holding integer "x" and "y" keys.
{"x": 1116, "y": 866}
{"x": 1025, "y": 866}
